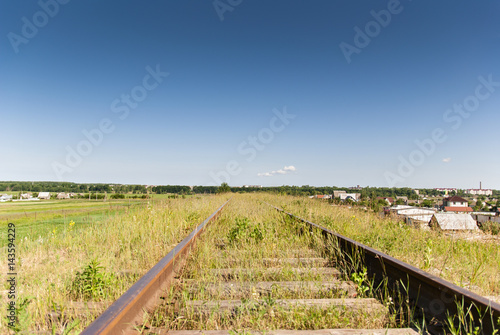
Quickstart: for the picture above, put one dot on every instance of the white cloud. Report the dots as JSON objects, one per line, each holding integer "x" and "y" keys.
{"x": 284, "y": 170}
{"x": 447, "y": 159}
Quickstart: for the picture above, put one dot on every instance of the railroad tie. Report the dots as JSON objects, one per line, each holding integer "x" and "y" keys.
{"x": 258, "y": 289}
{"x": 78, "y": 308}
{"x": 389, "y": 331}
{"x": 232, "y": 273}
{"x": 371, "y": 307}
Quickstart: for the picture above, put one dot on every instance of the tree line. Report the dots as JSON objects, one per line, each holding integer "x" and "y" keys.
{"x": 305, "y": 190}
{"x": 51, "y": 186}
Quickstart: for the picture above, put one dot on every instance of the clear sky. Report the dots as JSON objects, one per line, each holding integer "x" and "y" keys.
{"x": 375, "y": 93}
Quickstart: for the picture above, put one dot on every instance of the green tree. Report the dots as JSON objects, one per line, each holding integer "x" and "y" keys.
{"x": 224, "y": 188}
{"x": 427, "y": 203}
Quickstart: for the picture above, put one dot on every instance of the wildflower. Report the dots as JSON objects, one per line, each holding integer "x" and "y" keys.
{"x": 255, "y": 295}
{"x": 71, "y": 223}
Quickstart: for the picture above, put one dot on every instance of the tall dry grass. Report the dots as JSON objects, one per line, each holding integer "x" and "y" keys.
{"x": 472, "y": 264}
{"x": 245, "y": 237}
{"x": 125, "y": 246}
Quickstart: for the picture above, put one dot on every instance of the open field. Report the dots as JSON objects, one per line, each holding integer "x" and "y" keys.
{"x": 125, "y": 244}
{"x": 55, "y": 265}
{"x": 37, "y": 218}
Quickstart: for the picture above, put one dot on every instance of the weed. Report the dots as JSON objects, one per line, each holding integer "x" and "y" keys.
{"x": 23, "y": 319}
{"x": 491, "y": 227}
{"x": 92, "y": 283}
{"x": 428, "y": 255}
{"x": 360, "y": 279}
{"x": 243, "y": 232}
{"x": 67, "y": 330}
{"x": 463, "y": 322}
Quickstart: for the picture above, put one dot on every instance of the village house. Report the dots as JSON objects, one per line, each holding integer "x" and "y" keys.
{"x": 5, "y": 197}
{"x": 414, "y": 216}
{"x": 350, "y": 196}
{"x": 336, "y": 194}
{"x": 44, "y": 195}
{"x": 63, "y": 195}
{"x": 456, "y": 204}
{"x": 321, "y": 196}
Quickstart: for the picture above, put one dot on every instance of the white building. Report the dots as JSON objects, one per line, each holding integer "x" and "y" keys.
{"x": 475, "y": 191}
{"x": 44, "y": 195}
{"x": 336, "y": 194}
{"x": 63, "y": 195}
{"x": 5, "y": 197}
{"x": 351, "y": 196}
{"x": 413, "y": 214}
{"x": 455, "y": 201}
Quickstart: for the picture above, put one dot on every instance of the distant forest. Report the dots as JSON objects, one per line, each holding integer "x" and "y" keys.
{"x": 306, "y": 190}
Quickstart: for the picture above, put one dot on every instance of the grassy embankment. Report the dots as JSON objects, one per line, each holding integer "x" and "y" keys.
{"x": 472, "y": 264}
{"x": 126, "y": 242}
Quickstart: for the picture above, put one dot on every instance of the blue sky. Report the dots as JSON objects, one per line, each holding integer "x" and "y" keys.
{"x": 233, "y": 66}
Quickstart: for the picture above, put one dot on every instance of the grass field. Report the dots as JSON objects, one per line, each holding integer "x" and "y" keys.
{"x": 61, "y": 245}
{"x": 119, "y": 243}
{"x": 37, "y": 218}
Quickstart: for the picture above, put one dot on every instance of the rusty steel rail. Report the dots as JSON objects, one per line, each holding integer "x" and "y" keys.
{"x": 437, "y": 298}
{"x": 124, "y": 312}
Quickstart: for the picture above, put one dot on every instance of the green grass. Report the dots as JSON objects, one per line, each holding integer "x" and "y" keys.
{"x": 125, "y": 243}
{"x": 472, "y": 264}
{"x": 247, "y": 233}
{"x": 37, "y": 219}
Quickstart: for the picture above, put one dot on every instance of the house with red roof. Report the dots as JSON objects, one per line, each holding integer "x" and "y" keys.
{"x": 456, "y": 204}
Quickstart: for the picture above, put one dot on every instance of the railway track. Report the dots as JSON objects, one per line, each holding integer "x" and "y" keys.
{"x": 283, "y": 275}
